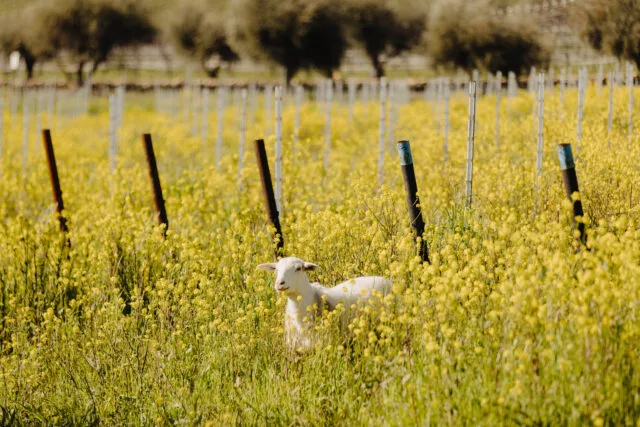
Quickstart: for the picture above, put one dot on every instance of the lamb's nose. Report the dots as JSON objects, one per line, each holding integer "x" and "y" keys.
{"x": 280, "y": 283}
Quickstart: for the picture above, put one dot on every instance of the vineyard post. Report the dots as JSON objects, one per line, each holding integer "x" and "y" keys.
{"x": 296, "y": 121}
{"x": 269, "y": 197}
{"x": 552, "y": 82}
{"x": 599, "y": 79}
{"x": 220, "y": 99}
{"x": 37, "y": 109}
{"x": 630, "y": 87}
{"x": 50, "y": 105}
{"x": 617, "y": 75}
{"x": 393, "y": 97}
{"x": 278, "y": 131}
{"x": 413, "y": 201}
{"x": 581, "y": 91}
{"x": 268, "y": 108}
{"x": 55, "y": 180}
{"x": 563, "y": 82}
{"x": 25, "y": 131}
{"x": 470, "y": 140}
{"x": 195, "y": 106}
{"x": 610, "y": 81}
{"x": 155, "y": 182}
{"x": 351, "y": 87}
{"x": 252, "y": 103}
{"x": 204, "y": 134}
{"x": 327, "y": 123}
{"x": 243, "y": 130}
{"x": 113, "y": 131}
{"x": 540, "y": 143}
{"x": 447, "y": 96}
{"x": 567, "y": 165}
{"x": 1, "y": 124}
{"x": 498, "y": 99}
{"x": 381, "y": 126}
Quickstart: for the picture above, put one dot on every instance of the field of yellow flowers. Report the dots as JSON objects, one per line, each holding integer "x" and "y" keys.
{"x": 513, "y": 322}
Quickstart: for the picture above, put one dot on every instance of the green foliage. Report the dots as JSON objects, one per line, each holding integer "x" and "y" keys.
{"x": 611, "y": 26}
{"x": 91, "y": 29}
{"x": 460, "y": 35}
{"x": 297, "y": 34}
{"x": 200, "y": 32}
{"x": 386, "y": 28}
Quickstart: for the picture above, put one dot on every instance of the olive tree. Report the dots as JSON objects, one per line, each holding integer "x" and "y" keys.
{"x": 610, "y": 26}
{"x": 461, "y": 36}
{"x": 296, "y": 34}
{"x": 200, "y": 32}
{"x": 386, "y": 28}
{"x": 89, "y": 30}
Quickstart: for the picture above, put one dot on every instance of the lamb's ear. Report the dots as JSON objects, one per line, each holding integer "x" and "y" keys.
{"x": 308, "y": 266}
{"x": 269, "y": 266}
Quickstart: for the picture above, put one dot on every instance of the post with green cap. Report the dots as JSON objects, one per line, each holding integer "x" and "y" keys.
{"x": 413, "y": 202}
{"x": 567, "y": 165}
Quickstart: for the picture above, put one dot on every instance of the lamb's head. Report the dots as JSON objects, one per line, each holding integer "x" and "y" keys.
{"x": 291, "y": 274}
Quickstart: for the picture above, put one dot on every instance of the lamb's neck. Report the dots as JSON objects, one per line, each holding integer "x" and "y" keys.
{"x": 298, "y": 302}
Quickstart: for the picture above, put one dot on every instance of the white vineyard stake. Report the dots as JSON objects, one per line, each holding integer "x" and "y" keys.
{"x": 278, "y": 130}
{"x": 470, "y": 140}
{"x": 381, "y": 128}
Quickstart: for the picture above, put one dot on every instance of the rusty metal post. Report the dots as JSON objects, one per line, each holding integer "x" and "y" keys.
{"x": 567, "y": 165}
{"x": 269, "y": 197}
{"x": 55, "y": 180}
{"x": 413, "y": 202}
{"x": 155, "y": 182}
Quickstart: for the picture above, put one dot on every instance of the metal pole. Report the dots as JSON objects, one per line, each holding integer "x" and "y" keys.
{"x": 413, "y": 202}
{"x": 471, "y": 136}
{"x": 567, "y": 165}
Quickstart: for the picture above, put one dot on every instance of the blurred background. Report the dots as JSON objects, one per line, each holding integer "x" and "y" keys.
{"x": 260, "y": 40}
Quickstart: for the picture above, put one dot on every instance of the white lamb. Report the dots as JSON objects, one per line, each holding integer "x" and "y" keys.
{"x": 291, "y": 278}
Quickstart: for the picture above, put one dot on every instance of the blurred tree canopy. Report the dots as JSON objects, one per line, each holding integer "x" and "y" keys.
{"x": 305, "y": 34}
{"x": 199, "y": 31}
{"x": 90, "y": 30}
{"x": 297, "y": 34}
{"x": 610, "y": 26}
{"x": 15, "y": 35}
{"x": 384, "y": 27}
{"x": 463, "y": 37}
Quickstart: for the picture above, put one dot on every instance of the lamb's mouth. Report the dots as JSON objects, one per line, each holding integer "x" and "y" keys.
{"x": 282, "y": 288}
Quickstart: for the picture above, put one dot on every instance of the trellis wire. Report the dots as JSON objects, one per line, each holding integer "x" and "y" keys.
{"x": 470, "y": 141}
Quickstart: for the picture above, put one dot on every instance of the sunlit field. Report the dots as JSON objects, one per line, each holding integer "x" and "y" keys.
{"x": 513, "y": 322}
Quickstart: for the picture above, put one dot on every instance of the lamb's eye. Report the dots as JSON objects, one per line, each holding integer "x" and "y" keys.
{"x": 299, "y": 268}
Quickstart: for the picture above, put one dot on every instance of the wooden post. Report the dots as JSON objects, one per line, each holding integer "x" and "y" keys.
{"x": 55, "y": 180}
{"x": 269, "y": 197}
{"x": 413, "y": 202}
{"x": 610, "y": 81}
{"x": 221, "y": 94}
{"x": 155, "y": 182}
{"x": 447, "y": 97}
{"x": 498, "y": 95}
{"x": 279, "y": 153}
{"x": 243, "y": 130}
{"x": 567, "y": 165}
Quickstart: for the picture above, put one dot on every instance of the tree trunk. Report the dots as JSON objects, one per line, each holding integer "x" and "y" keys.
{"x": 29, "y": 60}
{"x": 377, "y": 65}
{"x": 80, "y": 74}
